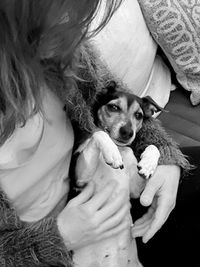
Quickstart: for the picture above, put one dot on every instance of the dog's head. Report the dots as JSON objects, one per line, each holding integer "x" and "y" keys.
{"x": 121, "y": 114}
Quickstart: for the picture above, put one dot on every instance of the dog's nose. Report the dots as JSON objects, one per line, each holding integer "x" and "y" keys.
{"x": 126, "y": 132}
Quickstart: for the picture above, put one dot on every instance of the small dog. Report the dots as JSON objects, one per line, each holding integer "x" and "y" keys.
{"x": 121, "y": 115}
{"x": 107, "y": 155}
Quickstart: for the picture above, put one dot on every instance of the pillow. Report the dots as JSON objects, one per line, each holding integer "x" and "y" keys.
{"x": 175, "y": 26}
{"x": 128, "y": 49}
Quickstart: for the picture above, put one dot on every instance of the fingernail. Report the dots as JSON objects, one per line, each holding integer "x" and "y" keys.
{"x": 145, "y": 201}
{"x": 145, "y": 240}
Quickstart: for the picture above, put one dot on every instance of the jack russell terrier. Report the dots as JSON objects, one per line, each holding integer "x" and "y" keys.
{"x": 109, "y": 154}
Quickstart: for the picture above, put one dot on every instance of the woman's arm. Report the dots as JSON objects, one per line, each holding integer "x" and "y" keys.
{"x": 29, "y": 244}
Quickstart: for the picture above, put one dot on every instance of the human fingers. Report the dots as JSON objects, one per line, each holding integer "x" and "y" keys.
{"x": 101, "y": 197}
{"x": 150, "y": 190}
{"x": 148, "y": 215}
{"x": 140, "y": 231}
{"x": 162, "y": 212}
{"x": 84, "y": 196}
{"x": 112, "y": 207}
{"x": 116, "y": 230}
{"x": 116, "y": 219}
{"x": 141, "y": 225}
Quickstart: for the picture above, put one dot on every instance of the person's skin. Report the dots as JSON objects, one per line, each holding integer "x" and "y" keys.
{"x": 160, "y": 195}
{"x": 92, "y": 217}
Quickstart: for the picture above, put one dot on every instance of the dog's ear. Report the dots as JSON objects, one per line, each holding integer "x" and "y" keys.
{"x": 110, "y": 87}
{"x": 149, "y": 106}
{"x": 104, "y": 96}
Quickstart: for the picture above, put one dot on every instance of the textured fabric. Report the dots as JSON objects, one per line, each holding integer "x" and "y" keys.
{"x": 152, "y": 133}
{"x": 129, "y": 51}
{"x": 29, "y": 244}
{"x": 175, "y": 26}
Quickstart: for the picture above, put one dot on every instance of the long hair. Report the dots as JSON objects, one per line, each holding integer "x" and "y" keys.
{"x": 40, "y": 45}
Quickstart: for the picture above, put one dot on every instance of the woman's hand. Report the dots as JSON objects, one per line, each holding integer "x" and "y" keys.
{"x": 160, "y": 194}
{"x": 92, "y": 217}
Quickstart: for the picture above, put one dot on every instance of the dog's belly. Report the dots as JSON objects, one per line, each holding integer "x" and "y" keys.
{"x": 120, "y": 250}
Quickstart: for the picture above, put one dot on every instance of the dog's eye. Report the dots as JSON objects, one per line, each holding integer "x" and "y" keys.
{"x": 113, "y": 107}
{"x": 138, "y": 115}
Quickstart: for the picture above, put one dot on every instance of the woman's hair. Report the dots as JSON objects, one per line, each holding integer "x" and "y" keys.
{"x": 40, "y": 46}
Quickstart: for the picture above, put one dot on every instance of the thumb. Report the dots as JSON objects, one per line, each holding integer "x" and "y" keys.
{"x": 149, "y": 192}
{"x": 84, "y": 196}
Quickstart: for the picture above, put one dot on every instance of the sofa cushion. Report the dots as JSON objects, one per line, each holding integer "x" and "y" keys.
{"x": 175, "y": 26}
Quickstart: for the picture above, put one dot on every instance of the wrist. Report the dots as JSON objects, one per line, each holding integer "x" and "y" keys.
{"x": 64, "y": 230}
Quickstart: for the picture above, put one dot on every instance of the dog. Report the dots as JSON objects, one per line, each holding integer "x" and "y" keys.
{"x": 108, "y": 154}
{"x": 121, "y": 115}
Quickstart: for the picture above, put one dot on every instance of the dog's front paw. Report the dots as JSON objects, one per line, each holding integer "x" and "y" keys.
{"x": 148, "y": 162}
{"x": 108, "y": 149}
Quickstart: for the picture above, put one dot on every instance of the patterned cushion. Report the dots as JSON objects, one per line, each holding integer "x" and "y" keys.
{"x": 175, "y": 25}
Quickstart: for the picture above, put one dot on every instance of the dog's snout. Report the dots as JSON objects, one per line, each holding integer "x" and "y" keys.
{"x": 126, "y": 132}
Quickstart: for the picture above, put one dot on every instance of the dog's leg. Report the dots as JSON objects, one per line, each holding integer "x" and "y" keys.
{"x": 136, "y": 182}
{"x": 99, "y": 145}
{"x": 149, "y": 161}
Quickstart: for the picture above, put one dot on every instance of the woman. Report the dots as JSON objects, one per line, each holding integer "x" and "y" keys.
{"x": 40, "y": 62}
{"x": 39, "y": 40}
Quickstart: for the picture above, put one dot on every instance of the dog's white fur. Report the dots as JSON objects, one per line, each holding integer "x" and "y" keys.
{"x": 149, "y": 161}
{"x": 99, "y": 160}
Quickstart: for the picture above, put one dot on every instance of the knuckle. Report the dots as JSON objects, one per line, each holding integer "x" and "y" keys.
{"x": 94, "y": 224}
{"x": 70, "y": 203}
{"x": 87, "y": 210}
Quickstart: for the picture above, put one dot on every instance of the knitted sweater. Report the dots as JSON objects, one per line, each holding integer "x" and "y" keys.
{"x": 29, "y": 244}
{"x": 152, "y": 133}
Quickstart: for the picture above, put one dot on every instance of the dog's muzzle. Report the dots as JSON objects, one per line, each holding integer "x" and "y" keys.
{"x": 126, "y": 133}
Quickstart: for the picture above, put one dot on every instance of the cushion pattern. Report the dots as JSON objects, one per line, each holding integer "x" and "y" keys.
{"x": 175, "y": 26}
